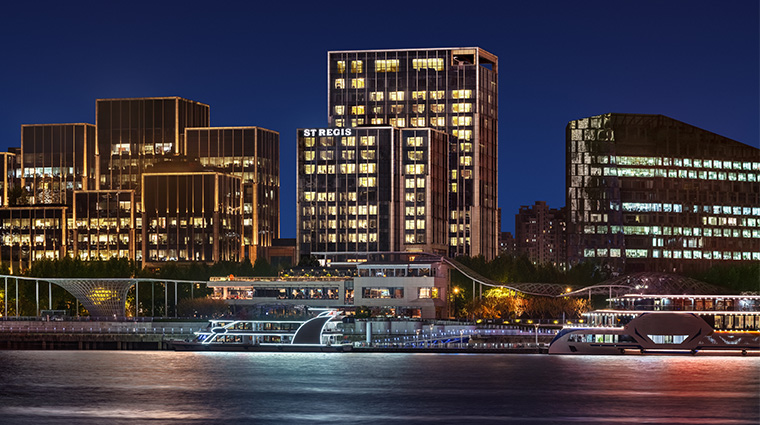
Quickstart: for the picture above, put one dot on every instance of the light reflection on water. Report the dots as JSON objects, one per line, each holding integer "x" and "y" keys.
{"x": 93, "y": 387}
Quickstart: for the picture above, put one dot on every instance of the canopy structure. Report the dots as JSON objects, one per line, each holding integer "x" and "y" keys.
{"x": 101, "y": 297}
{"x": 651, "y": 283}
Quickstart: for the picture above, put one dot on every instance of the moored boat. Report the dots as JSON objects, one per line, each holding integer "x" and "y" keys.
{"x": 667, "y": 324}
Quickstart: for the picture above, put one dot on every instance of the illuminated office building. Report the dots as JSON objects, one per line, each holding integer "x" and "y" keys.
{"x": 8, "y": 177}
{"x": 253, "y": 154}
{"x": 372, "y": 189}
{"x": 650, "y": 193}
{"x": 191, "y": 215}
{"x": 454, "y": 90}
{"x": 136, "y": 133}
{"x": 103, "y": 225}
{"x": 32, "y": 233}
{"x": 57, "y": 159}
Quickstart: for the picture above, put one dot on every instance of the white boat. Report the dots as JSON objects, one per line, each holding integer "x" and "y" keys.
{"x": 316, "y": 334}
{"x": 666, "y": 324}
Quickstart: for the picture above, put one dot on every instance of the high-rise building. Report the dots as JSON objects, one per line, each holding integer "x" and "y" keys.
{"x": 454, "y": 90}
{"x": 372, "y": 189}
{"x": 57, "y": 159}
{"x": 650, "y": 193}
{"x": 540, "y": 234}
{"x": 253, "y": 154}
{"x": 133, "y": 134}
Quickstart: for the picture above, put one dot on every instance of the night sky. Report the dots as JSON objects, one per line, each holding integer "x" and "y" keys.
{"x": 265, "y": 65}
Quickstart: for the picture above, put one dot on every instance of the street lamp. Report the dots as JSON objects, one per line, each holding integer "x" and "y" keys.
{"x": 536, "y": 326}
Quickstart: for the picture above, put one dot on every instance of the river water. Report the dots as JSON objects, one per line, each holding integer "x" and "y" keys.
{"x": 131, "y": 387}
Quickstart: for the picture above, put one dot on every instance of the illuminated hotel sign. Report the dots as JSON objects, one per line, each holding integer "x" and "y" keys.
{"x": 310, "y": 132}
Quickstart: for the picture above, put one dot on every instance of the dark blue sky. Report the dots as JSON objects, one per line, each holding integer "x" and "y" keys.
{"x": 695, "y": 61}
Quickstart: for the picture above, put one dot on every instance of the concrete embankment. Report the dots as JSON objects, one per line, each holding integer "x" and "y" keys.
{"x": 33, "y": 335}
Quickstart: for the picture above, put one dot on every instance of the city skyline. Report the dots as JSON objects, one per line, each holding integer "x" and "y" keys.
{"x": 559, "y": 63}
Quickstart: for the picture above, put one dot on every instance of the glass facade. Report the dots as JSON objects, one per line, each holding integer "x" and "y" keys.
{"x": 103, "y": 225}
{"x": 57, "y": 159}
{"x": 253, "y": 154}
{"x": 649, "y": 193}
{"x": 451, "y": 90}
{"x": 191, "y": 216}
{"x": 32, "y": 233}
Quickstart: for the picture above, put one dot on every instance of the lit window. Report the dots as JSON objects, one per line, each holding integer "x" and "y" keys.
{"x": 430, "y": 63}
{"x": 357, "y": 122}
{"x": 377, "y": 109}
{"x": 415, "y": 168}
{"x": 367, "y": 181}
{"x": 327, "y": 155}
{"x": 397, "y": 109}
{"x": 347, "y": 168}
{"x": 339, "y": 109}
{"x": 308, "y": 168}
{"x": 461, "y": 107}
{"x": 465, "y": 147}
{"x": 419, "y": 95}
{"x": 357, "y": 110}
{"x": 437, "y": 108}
{"x": 357, "y": 83}
{"x": 410, "y": 185}
{"x": 438, "y": 121}
{"x": 417, "y": 121}
{"x": 376, "y": 96}
{"x": 396, "y": 95}
{"x": 397, "y": 122}
{"x": 414, "y": 141}
{"x": 341, "y": 67}
{"x": 340, "y": 83}
{"x": 376, "y": 121}
{"x": 366, "y": 168}
{"x": 340, "y": 122}
{"x": 356, "y": 66}
{"x": 308, "y": 155}
{"x": 438, "y": 94}
{"x": 367, "y": 140}
{"x": 463, "y": 134}
{"x": 418, "y": 108}
{"x": 308, "y": 142}
{"x": 461, "y": 120}
{"x": 348, "y": 141}
{"x": 389, "y": 65}
{"x": 368, "y": 154}
{"x": 461, "y": 94}
{"x": 465, "y": 160}
{"x": 415, "y": 155}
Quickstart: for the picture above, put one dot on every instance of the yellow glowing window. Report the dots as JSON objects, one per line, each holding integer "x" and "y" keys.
{"x": 340, "y": 122}
{"x": 430, "y": 63}
{"x": 419, "y": 95}
{"x": 461, "y": 120}
{"x": 347, "y": 168}
{"x": 417, "y": 122}
{"x": 415, "y": 155}
{"x": 396, "y": 95}
{"x": 462, "y": 134}
{"x": 465, "y": 160}
{"x": 409, "y": 224}
{"x": 357, "y": 110}
{"x": 339, "y": 109}
{"x": 367, "y": 140}
{"x": 414, "y": 168}
{"x": 308, "y": 155}
{"x": 357, "y": 83}
{"x": 397, "y": 122}
{"x": 437, "y": 108}
{"x": 308, "y": 196}
{"x": 308, "y": 142}
{"x": 414, "y": 141}
{"x": 420, "y": 224}
{"x": 357, "y": 121}
{"x": 327, "y": 155}
{"x": 377, "y": 109}
{"x": 397, "y": 109}
{"x": 321, "y": 169}
{"x": 308, "y": 168}
{"x": 389, "y": 65}
{"x": 461, "y": 94}
{"x": 376, "y": 95}
{"x": 410, "y": 185}
{"x": 438, "y": 94}
{"x": 376, "y": 121}
{"x": 367, "y": 168}
{"x": 453, "y": 188}
{"x": 340, "y": 83}
{"x": 461, "y": 107}
{"x": 341, "y": 67}
{"x": 465, "y": 147}
{"x": 368, "y": 154}
{"x": 348, "y": 141}
{"x": 367, "y": 181}
{"x": 438, "y": 121}
{"x": 418, "y": 108}
{"x": 356, "y": 66}
{"x": 420, "y": 210}
{"x": 348, "y": 155}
